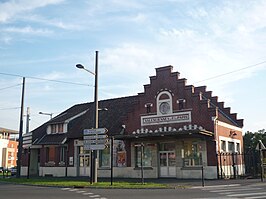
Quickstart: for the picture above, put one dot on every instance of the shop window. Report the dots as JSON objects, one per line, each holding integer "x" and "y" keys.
{"x": 147, "y": 156}
{"x": 119, "y": 153}
{"x": 167, "y": 147}
{"x": 223, "y": 146}
{"x": 231, "y": 147}
{"x": 105, "y": 157}
{"x": 192, "y": 154}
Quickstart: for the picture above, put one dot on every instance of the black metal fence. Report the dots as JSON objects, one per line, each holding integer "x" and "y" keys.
{"x": 238, "y": 165}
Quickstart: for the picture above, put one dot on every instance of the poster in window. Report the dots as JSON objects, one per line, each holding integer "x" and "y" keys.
{"x": 121, "y": 158}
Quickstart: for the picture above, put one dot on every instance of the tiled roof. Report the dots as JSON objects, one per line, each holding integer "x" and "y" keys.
{"x": 52, "y": 139}
{"x": 112, "y": 119}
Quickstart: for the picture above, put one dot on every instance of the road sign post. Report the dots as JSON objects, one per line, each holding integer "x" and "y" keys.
{"x": 94, "y": 140}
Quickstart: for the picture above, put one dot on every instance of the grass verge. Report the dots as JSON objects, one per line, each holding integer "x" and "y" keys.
{"x": 63, "y": 182}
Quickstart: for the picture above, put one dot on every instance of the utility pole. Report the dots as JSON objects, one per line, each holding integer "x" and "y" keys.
{"x": 20, "y": 131}
{"x": 27, "y": 131}
{"x": 94, "y": 159}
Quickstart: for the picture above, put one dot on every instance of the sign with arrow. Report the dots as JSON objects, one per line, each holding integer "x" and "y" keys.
{"x": 95, "y": 139}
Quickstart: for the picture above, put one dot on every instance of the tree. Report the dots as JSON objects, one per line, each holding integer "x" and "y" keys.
{"x": 251, "y": 139}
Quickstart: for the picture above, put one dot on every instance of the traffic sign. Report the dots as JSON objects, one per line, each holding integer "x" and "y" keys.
{"x": 94, "y": 147}
{"x": 101, "y": 141}
{"x": 95, "y": 139}
{"x": 91, "y": 137}
{"x": 95, "y": 131}
{"x": 27, "y": 140}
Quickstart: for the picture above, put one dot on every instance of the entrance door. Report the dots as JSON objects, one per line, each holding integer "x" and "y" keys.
{"x": 84, "y": 160}
{"x": 167, "y": 164}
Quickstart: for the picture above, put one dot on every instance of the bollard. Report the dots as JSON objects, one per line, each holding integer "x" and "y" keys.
{"x": 202, "y": 176}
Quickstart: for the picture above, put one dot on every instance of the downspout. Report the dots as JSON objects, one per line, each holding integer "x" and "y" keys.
{"x": 216, "y": 142}
{"x": 215, "y": 121}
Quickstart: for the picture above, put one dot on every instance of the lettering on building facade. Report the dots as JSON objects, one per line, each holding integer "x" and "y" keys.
{"x": 166, "y": 119}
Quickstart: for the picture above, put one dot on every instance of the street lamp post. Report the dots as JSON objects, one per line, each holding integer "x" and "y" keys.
{"x": 50, "y": 114}
{"x": 93, "y": 166}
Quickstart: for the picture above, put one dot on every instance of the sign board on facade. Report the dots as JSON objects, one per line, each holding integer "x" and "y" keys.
{"x": 71, "y": 160}
{"x": 95, "y": 139}
{"x": 166, "y": 119}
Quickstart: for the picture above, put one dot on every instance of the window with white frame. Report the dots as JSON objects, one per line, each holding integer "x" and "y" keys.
{"x": 223, "y": 145}
{"x": 56, "y": 128}
{"x": 231, "y": 146}
{"x": 164, "y": 103}
{"x": 237, "y": 147}
{"x": 62, "y": 154}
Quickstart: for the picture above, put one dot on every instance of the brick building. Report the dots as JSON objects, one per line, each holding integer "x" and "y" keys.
{"x": 8, "y": 148}
{"x": 180, "y": 127}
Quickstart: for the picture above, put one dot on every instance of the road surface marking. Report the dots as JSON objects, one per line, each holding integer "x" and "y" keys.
{"x": 246, "y": 194}
{"x": 88, "y": 193}
{"x": 237, "y": 189}
{"x": 215, "y": 186}
{"x": 255, "y": 197}
{"x": 65, "y": 189}
{"x": 81, "y": 191}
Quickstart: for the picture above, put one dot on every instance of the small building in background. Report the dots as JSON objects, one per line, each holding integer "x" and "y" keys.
{"x": 8, "y": 148}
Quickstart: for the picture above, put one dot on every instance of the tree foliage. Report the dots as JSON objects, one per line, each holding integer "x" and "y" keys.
{"x": 251, "y": 139}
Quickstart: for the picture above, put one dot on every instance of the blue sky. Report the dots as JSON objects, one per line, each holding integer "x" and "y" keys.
{"x": 201, "y": 39}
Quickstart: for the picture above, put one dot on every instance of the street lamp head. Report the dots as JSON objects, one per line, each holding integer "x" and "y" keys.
{"x": 80, "y": 66}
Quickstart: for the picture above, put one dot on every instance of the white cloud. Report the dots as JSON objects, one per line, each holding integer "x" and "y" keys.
{"x": 28, "y": 30}
{"x": 12, "y": 8}
{"x": 55, "y": 22}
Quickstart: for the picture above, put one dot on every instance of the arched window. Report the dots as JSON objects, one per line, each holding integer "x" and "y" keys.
{"x": 164, "y": 103}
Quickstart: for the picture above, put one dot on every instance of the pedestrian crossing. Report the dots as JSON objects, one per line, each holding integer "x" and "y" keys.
{"x": 236, "y": 191}
{"x": 83, "y": 192}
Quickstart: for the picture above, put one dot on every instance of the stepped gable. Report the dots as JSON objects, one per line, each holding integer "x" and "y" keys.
{"x": 198, "y": 98}
{"x": 224, "y": 113}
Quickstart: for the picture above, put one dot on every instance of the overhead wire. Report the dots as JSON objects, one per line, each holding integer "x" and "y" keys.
{"x": 44, "y": 79}
{"x": 234, "y": 71}
{"x": 10, "y": 87}
{"x": 11, "y": 108}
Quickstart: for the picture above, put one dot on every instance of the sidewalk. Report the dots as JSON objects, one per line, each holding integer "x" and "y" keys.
{"x": 193, "y": 182}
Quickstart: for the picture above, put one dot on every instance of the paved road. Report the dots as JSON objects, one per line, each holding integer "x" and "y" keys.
{"x": 247, "y": 191}
{"x": 35, "y": 192}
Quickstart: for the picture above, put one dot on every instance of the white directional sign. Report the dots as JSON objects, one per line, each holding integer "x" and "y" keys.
{"x": 95, "y": 131}
{"x": 95, "y": 139}
{"x": 27, "y": 140}
{"x": 101, "y": 141}
{"x": 94, "y": 147}
{"x": 92, "y": 137}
